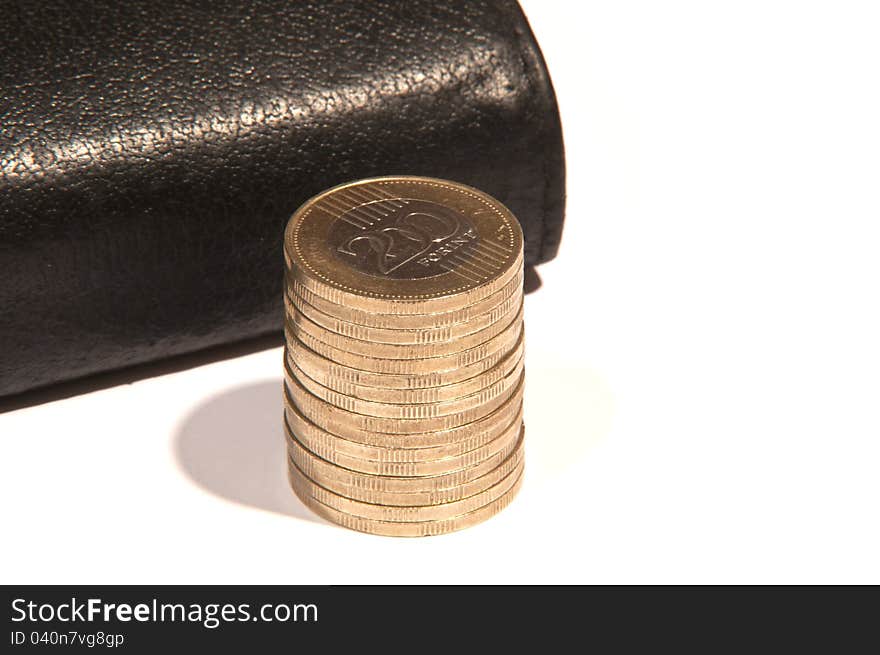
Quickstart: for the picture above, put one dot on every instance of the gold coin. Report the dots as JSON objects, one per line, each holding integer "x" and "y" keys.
{"x": 418, "y": 529}
{"x": 333, "y": 420}
{"x": 406, "y": 410}
{"x": 502, "y": 342}
{"x": 415, "y": 245}
{"x": 299, "y": 324}
{"x": 408, "y": 447}
{"x": 333, "y": 477}
{"x": 392, "y": 490}
{"x": 338, "y": 378}
{"x": 404, "y": 355}
{"x": 387, "y": 319}
{"x": 408, "y": 513}
{"x": 389, "y": 461}
{"x": 344, "y": 422}
{"x": 336, "y": 374}
{"x": 502, "y": 313}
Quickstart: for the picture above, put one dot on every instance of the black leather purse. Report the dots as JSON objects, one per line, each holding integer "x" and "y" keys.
{"x": 152, "y": 151}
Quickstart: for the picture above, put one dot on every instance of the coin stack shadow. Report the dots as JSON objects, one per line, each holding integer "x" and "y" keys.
{"x": 404, "y": 418}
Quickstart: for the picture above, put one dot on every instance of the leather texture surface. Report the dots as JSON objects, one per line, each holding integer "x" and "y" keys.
{"x": 153, "y": 150}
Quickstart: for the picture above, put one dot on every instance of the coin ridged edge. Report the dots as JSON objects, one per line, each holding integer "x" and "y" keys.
{"x": 299, "y": 321}
{"x": 406, "y": 410}
{"x": 389, "y": 462}
{"x": 311, "y": 406}
{"x": 406, "y": 335}
{"x": 408, "y": 513}
{"x": 340, "y": 378}
{"x": 398, "y": 321}
{"x": 345, "y": 374}
{"x": 419, "y": 529}
{"x": 475, "y": 355}
{"x": 333, "y": 476}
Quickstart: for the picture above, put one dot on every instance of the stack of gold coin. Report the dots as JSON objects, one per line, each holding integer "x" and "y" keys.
{"x": 404, "y": 355}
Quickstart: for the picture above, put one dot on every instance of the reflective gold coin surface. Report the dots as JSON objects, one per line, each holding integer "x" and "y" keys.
{"x": 512, "y": 361}
{"x": 435, "y": 333}
{"x": 300, "y": 324}
{"x": 403, "y": 245}
{"x": 333, "y": 447}
{"x": 480, "y": 431}
{"x": 404, "y": 355}
{"x": 482, "y": 352}
{"x": 388, "y": 462}
{"x": 407, "y": 410}
{"x": 397, "y": 490}
{"x": 361, "y": 426}
{"x": 405, "y": 529}
{"x": 335, "y": 374}
{"x": 409, "y": 513}
{"x": 445, "y": 318}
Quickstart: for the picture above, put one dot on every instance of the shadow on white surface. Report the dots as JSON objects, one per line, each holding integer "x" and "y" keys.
{"x": 233, "y": 446}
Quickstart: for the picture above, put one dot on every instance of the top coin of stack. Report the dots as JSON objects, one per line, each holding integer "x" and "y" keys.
{"x": 404, "y": 355}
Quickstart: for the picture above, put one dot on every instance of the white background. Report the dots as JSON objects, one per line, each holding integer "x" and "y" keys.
{"x": 703, "y": 398}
